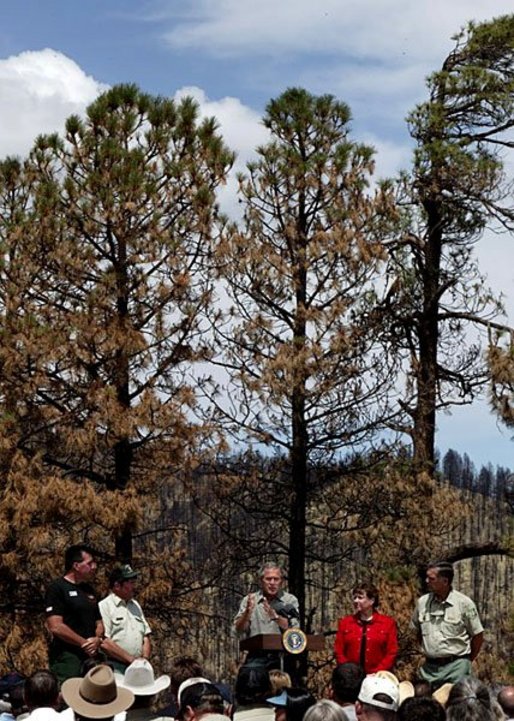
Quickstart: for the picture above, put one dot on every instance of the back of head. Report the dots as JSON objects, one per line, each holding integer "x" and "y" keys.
{"x": 182, "y": 668}
{"x": 421, "y": 709}
{"x": 379, "y": 698}
{"x": 346, "y": 682}
{"x": 253, "y": 686}
{"x": 279, "y": 681}
{"x": 325, "y": 710}
{"x": 41, "y": 690}
{"x": 299, "y": 700}
{"x": 16, "y": 697}
{"x": 201, "y": 698}
{"x": 422, "y": 688}
{"x": 469, "y": 700}
{"x": 506, "y": 700}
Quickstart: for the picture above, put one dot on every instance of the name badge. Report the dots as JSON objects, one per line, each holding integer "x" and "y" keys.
{"x": 73, "y": 593}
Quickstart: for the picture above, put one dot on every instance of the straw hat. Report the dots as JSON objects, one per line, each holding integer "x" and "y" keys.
{"x": 96, "y": 695}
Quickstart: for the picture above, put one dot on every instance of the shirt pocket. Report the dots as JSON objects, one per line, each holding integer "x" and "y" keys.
{"x": 425, "y": 627}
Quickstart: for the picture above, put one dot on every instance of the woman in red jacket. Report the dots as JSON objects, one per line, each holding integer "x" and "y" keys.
{"x": 367, "y": 638}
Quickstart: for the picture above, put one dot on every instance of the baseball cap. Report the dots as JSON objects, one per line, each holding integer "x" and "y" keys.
{"x": 380, "y": 692}
{"x": 122, "y": 573}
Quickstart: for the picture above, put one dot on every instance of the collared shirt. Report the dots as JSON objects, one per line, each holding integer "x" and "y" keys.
{"x": 260, "y": 622}
{"x": 44, "y": 713}
{"x": 350, "y": 712}
{"x": 448, "y": 626}
{"x": 124, "y": 623}
{"x": 381, "y": 642}
{"x": 258, "y": 713}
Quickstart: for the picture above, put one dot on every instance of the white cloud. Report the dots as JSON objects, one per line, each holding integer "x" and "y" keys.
{"x": 38, "y": 91}
{"x": 241, "y": 126}
{"x": 242, "y": 130}
{"x": 362, "y": 28}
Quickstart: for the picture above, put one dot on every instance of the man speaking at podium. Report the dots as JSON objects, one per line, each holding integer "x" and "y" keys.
{"x": 270, "y": 610}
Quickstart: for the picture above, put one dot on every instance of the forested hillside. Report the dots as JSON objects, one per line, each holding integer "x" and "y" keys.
{"x": 344, "y": 549}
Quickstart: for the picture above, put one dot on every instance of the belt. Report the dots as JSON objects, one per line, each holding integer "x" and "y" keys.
{"x": 443, "y": 660}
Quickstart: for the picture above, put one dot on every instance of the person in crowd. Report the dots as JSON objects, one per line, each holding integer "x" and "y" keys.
{"x": 448, "y": 628}
{"x": 421, "y": 708}
{"x": 269, "y": 610}
{"x": 325, "y": 710}
{"x": 378, "y": 699}
{"x": 201, "y": 701}
{"x": 292, "y": 704}
{"x": 72, "y": 615}
{"x": 96, "y": 695}
{"x": 222, "y": 688}
{"x": 139, "y": 678}
{"x": 123, "y": 620}
{"x": 42, "y": 696}
{"x": 344, "y": 690}
{"x": 506, "y": 701}
{"x": 252, "y": 688}
{"x": 470, "y": 700}
{"x": 366, "y": 637}
{"x": 279, "y": 681}
{"x": 17, "y": 709}
{"x": 182, "y": 668}
{"x": 422, "y": 688}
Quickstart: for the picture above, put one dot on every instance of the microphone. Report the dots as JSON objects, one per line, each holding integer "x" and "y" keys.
{"x": 287, "y": 610}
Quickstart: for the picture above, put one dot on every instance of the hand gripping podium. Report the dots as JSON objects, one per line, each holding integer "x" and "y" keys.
{"x": 275, "y": 642}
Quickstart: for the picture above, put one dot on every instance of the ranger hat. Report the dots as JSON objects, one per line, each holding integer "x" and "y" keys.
{"x": 96, "y": 696}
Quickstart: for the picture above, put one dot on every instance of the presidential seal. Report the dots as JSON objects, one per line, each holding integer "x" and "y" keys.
{"x": 294, "y": 640}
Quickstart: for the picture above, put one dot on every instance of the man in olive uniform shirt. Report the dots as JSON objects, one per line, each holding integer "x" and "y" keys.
{"x": 127, "y": 633}
{"x": 448, "y": 628}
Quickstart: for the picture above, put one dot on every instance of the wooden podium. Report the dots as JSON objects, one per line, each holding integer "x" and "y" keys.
{"x": 273, "y": 642}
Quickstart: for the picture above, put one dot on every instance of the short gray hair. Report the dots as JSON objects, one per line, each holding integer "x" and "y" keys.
{"x": 469, "y": 700}
{"x": 268, "y": 565}
{"x": 325, "y": 710}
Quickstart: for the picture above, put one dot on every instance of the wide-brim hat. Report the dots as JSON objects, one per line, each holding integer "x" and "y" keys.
{"x": 96, "y": 695}
{"x": 140, "y": 679}
{"x": 442, "y": 694}
{"x": 406, "y": 690}
{"x": 279, "y": 700}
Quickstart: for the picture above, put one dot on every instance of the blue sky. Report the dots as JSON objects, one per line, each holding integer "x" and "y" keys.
{"x": 233, "y": 56}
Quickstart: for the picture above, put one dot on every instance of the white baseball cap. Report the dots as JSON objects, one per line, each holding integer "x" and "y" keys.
{"x": 388, "y": 692}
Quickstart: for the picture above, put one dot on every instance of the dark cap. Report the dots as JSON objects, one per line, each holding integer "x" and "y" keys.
{"x": 120, "y": 574}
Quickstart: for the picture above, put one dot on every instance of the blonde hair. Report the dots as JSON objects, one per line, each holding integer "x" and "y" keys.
{"x": 279, "y": 681}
